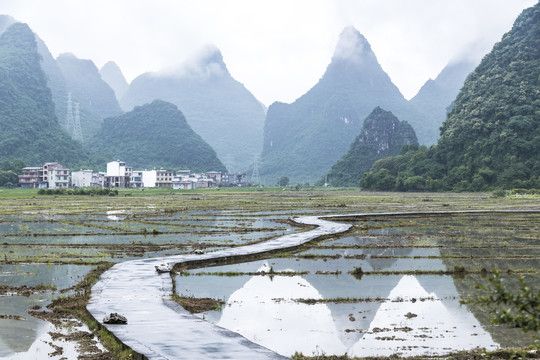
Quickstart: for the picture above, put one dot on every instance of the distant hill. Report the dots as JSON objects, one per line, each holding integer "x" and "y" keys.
{"x": 491, "y": 137}
{"x": 382, "y": 135}
{"x": 112, "y": 75}
{"x": 55, "y": 78}
{"x": 95, "y": 97}
{"x": 81, "y": 78}
{"x": 155, "y": 135}
{"x": 304, "y": 139}
{"x": 436, "y": 96}
{"x": 219, "y": 108}
{"x": 55, "y": 81}
{"x": 28, "y": 125}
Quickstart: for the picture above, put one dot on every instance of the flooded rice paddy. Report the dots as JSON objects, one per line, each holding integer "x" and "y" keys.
{"x": 59, "y": 250}
{"x": 406, "y": 300}
{"x": 19, "y": 334}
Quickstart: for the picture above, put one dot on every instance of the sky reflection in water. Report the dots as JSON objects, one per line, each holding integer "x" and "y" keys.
{"x": 28, "y": 339}
{"x": 263, "y": 310}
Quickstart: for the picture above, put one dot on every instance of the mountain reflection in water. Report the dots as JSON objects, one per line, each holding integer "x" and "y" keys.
{"x": 264, "y": 311}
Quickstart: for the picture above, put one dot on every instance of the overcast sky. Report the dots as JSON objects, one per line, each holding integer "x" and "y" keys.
{"x": 277, "y": 48}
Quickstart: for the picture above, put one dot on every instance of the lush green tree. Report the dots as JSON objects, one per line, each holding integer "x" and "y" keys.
{"x": 15, "y": 166}
{"x": 8, "y": 178}
{"x": 514, "y": 307}
{"x": 283, "y": 181}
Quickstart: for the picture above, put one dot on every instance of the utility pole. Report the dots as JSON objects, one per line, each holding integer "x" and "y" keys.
{"x": 77, "y": 131}
{"x": 255, "y": 179}
{"x": 73, "y": 121}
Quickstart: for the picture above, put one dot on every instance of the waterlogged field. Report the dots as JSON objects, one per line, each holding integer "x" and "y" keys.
{"x": 406, "y": 301}
{"x": 395, "y": 305}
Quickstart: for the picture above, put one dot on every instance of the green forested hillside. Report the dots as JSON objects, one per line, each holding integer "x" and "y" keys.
{"x": 55, "y": 79}
{"x": 436, "y": 96}
{"x": 29, "y": 129}
{"x": 55, "y": 82}
{"x": 304, "y": 139}
{"x": 155, "y": 135}
{"x": 95, "y": 97}
{"x": 491, "y": 138}
{"x": 217, "y": 107}
{"x": 382, "y": 135}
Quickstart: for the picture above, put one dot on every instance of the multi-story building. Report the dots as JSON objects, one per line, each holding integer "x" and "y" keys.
{"x": 149, "y": 178}
{"x": 116, "y": 168}
{"x": 205, "y": 182}
{"x": 50, "y": 175}
{"x": 53, "y": 175}
{"x": 164, "y": 178}
{"x": 85, "y": 178}
{"x": 136, "y": 180}
{"x": 30, "y": 178}
{"x": 58, "y": 178}
{"x": 46, "y": 168}
{"x": 184, "y": 180}
{"x": 117, "y": 175}
{"x": 238, "y": 179}
{"x": 216, "y": 176}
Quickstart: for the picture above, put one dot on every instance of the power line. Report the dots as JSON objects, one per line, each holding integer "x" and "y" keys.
{"x": 73, "y": 120}
{"x": 77, "y": 131}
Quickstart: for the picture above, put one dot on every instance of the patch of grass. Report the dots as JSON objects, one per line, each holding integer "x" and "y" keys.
{"x": 457, "y": 271}
{"x": 339, "y": 300}
{"x": 318, "y": 256}
{"x": 271, "y": 272}
{"x": 198, "y": 305}
{"x": 320, "y": 272}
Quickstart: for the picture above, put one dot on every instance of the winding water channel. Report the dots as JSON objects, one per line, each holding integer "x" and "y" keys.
{"x": 158, "y": 328}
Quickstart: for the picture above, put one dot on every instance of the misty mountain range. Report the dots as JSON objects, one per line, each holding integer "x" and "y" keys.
{"x": 301, "y": 140}
{"x": 219, "y": 108}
